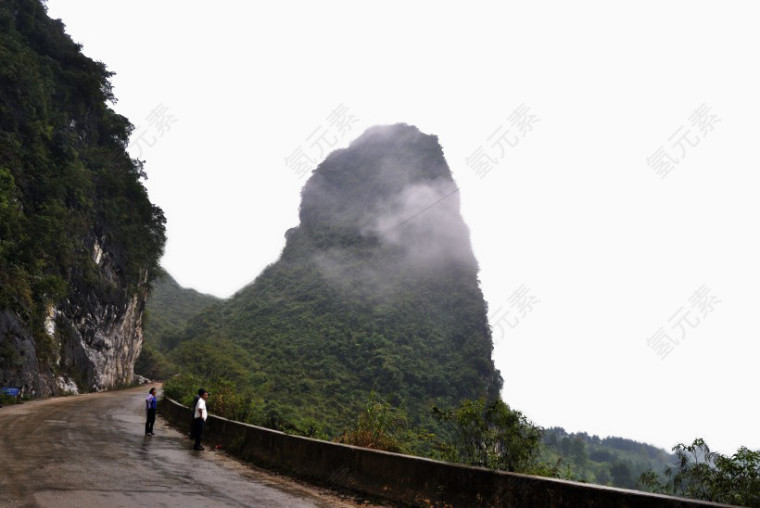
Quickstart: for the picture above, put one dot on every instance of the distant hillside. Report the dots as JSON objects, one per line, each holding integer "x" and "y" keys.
{"x": 612, "y": 461}
{"x": 167, "y": 313}
{"x": 375, "y": 290}
{"x": 170, "y": 307}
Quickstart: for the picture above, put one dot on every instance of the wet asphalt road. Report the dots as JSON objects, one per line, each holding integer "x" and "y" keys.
{"x": 90, "y": 451}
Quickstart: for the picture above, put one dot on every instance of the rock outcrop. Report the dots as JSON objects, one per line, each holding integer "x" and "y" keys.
{"x": 89, "y": 344}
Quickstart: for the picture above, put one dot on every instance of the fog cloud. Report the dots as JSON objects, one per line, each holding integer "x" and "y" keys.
{"x": 385, "y": 208}
{"x": 424, "y": 221}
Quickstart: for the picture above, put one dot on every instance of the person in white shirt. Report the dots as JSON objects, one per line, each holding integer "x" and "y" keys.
{"x": 200, "y": 418}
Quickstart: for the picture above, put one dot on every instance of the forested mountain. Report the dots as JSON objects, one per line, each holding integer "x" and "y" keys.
{"x": 170, "y": 307}
{"x": 167, "y": 313}
{"x": 607, "y": 461}
{"x": 79, "y": 239}
{"x": 375, "y": 291}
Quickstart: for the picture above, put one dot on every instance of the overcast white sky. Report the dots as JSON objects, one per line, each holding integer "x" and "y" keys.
{"x": 606, "y": 155}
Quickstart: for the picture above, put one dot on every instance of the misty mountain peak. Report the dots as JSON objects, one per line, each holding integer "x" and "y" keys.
{"x": 376, "y": 290}
{"x": 391, "y": 187}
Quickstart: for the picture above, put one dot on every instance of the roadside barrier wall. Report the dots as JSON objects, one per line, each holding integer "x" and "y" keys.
{"x": 402, "y": 478}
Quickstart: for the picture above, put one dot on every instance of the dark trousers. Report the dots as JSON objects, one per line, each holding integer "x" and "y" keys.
{"x": 198, "y": 431}
{"x": 150, "y": 420}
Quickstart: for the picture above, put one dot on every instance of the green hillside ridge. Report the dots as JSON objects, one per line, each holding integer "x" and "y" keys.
{"x": 611, "y": 460}
{"x": 171, "y": 306}
{"x": 167, "y": 312}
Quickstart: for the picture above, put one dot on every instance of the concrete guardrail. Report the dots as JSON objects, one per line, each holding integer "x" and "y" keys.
{"x": 406, "y": 479}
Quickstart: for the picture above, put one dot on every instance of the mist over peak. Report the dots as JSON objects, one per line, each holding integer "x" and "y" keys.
{"x": 391, "y": 189}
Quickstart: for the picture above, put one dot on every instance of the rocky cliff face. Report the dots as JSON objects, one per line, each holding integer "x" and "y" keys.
{"x": 89, "y": 343}
{"x": 87, "y": 351}
{"x": 79, "y": 239}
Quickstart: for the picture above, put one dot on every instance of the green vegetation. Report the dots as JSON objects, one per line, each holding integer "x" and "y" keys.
{"x": 7, "y": 400}
{"x": 174, "y": 306}
{"x": 491, "y": 434}
{"x": 691, "y": 471}
{"x": 67, "y": 183}
{"x": 611, "y": 461}
{"x": 167, "y": 312}
{"x": 477, "y": 433}
{"x": 379, "y": 426}
{"x": 710, "y": 476}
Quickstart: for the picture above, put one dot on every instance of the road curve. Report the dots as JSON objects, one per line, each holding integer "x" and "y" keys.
{"x": 90, "y": 451}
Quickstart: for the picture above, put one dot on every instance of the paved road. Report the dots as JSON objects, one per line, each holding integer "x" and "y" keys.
{"x": 90, "y": 451}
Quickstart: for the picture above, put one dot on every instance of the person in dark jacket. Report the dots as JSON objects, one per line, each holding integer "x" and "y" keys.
{"x": 150, "y": 410}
